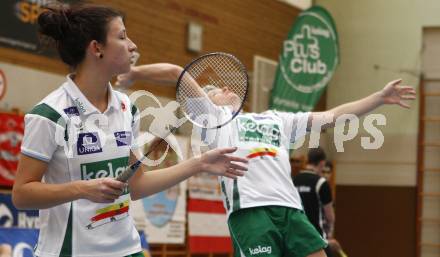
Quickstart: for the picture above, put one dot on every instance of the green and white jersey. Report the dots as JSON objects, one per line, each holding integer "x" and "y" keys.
{"x": 264, "y": 139}
{"x": 80, "y": 143}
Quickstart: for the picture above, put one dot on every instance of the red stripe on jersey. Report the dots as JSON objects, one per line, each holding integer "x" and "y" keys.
{"x": 250, "y": 156}
{"x": 109, "y": 214}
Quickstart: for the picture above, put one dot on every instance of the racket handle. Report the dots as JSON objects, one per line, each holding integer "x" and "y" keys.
{"x": 126, "y": 175}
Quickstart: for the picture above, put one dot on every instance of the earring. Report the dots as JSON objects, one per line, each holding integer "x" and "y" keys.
{"x": 101, "y": 55}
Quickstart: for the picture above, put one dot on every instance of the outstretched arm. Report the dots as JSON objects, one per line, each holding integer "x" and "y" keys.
{"x": 217, "y": 162}
{"x": 392, "y": 93}
{"x": 162, "y": 73}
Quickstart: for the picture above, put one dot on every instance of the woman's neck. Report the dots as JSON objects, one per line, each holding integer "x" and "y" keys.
{"x": 94, "y": 88}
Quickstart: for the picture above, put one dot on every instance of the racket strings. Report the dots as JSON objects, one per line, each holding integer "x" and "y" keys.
{"x": 220, "y": 71}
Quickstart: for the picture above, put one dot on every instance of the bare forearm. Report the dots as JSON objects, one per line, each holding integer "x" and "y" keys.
{"x": 330, "y": 219}
{"x": 392, "y": 93}
{"x": 219, "y": 162}
{"x": 329, "y": 228}
{"x": 39, "y": 195}
{"x": 164, "y": 73}
{"x": 359, "y": 107}
{"x": 151, "y": 182}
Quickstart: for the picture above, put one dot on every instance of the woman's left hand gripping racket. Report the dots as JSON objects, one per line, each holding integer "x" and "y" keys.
{"x": 213, "y": 71}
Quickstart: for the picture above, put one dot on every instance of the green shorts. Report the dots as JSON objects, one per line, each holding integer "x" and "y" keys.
{"x": 273, "y": 231}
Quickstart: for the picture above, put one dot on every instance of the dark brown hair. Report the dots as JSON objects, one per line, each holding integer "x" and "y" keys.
{"x": 315, "y": 156}
{"x": 72, "y": 28}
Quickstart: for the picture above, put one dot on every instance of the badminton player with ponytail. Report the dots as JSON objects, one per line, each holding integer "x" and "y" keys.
{"x": 265, "y": 214}
{"x": 78, "y": 140}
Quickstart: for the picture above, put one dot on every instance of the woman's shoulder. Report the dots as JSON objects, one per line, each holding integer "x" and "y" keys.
{"x": 125, "y": 100}
{"x": 120, "y": 95}
{"x": 52, "y": 106}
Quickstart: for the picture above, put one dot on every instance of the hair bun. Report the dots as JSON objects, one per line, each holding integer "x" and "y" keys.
{"x": 70, "y": 28}
{"x": 53, "y": 22}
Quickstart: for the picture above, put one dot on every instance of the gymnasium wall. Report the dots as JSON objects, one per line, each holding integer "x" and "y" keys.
{"x": 27, "y": 86}
{"x": 379, "y": 40}
{"x": 376, "y": 220}
{"x": 376, "y": 194}
{"x": 159, "y": 28}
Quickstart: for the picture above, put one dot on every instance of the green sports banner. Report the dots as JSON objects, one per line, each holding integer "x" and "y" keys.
{"x": 307, "y": 62}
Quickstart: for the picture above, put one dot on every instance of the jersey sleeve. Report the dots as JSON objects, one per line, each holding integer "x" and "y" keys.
{"x": 295, "y": 124}
{"x": 325, "y": 193}
{"x": 215, "y": 137}
{"x": 43, "y": 125}
{"x": 204, "y": 112}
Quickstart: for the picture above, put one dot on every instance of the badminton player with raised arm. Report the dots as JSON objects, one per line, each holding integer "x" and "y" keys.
{"x": 265, "y": 215}
{"x": 78, "y": 139}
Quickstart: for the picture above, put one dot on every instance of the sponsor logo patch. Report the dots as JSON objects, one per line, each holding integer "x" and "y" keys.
{"x": 123, "y": 138}
{"x": 304, "y": 189}
{"x": 71, "y": 111}
{"x": 262, "y": 132}
{"x": 108, "y": 214}
{"x": 80, "y": 105}
{"x": 262, "y": 152}
{"x": 88, "y": 143}
{"x": 103, "y": 169}
{"x": 260, "y": 249}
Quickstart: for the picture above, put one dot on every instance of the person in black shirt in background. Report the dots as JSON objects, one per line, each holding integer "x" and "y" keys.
{"x": 316, "y": 194}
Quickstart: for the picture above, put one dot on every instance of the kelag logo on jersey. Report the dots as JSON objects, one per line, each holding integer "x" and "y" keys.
{"x": 123, "y": 138}
{"x": 71, "y": 111}
{"x": 88, "y": 143}
{"x": 104, "y": 169}
{"x": 251, "y": 131}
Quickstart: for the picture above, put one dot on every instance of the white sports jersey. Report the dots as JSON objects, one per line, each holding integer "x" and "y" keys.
{"x": 264, "y": 139}
{"x": 79, "y": 143}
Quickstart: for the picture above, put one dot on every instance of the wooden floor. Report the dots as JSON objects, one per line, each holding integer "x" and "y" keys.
{"x": 173, "y": 250}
